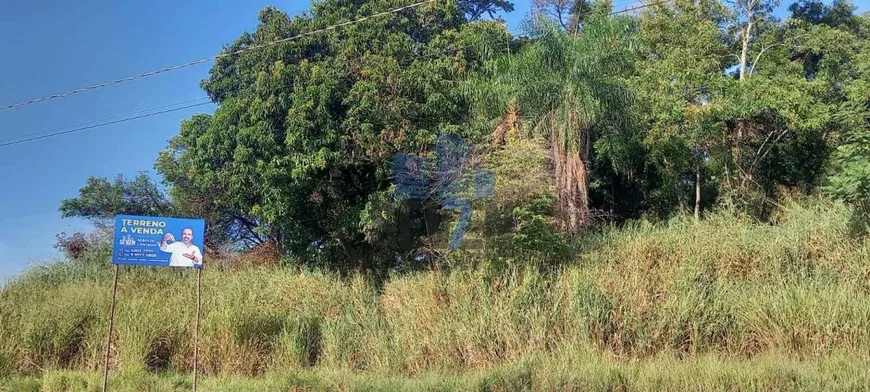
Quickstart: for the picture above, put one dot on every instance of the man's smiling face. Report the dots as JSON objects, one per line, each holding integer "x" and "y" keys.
{"x": 187, "y": 236}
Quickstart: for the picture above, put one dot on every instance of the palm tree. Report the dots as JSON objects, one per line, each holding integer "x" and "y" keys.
{"x": 567, "y": 87}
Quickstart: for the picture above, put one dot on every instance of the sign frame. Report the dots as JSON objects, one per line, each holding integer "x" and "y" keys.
{"x": 143, "y": 234}
{"x": 142, "y": 240}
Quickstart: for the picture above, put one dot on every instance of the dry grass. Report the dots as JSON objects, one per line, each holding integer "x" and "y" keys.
{"x": 636, "y": 302}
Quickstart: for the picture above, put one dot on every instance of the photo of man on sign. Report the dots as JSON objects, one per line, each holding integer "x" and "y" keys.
{"x": 184, "y": 253}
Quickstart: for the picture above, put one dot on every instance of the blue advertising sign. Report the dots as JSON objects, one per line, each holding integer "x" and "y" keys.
{"x": 156, "y": 241}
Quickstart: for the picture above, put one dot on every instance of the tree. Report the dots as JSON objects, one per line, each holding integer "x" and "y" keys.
{"x": 850, "y": 170}
{"x": 569, "y": 13}
{"x": 569, "y": 89}
{"x": 851, "y": 181}
{"x": 679, "y": 82}
{"x": 777, "y": 110}
{"x": 196, "y": 192}
{"x": 751, "y": 17}
{"x": 474, "y": 10}
{"x": 304, "y": 132}
{"x": 768, "y": 125}
{"x": 100, "y": 200}
{"x": 816, "y": 12}
{"x": 77, "y": 245}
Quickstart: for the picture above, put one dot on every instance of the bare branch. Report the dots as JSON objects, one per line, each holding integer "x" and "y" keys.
{"x": 764, "y": 48}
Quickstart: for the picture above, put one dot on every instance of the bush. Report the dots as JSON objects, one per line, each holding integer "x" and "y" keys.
{"x": 520, "y": 216}
{"x": 850, "y": 179}
{"x": 263, "y": 255}
{"x": 77, "y": 245}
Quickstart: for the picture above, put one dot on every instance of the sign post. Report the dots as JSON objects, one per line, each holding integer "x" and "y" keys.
{"x": 157, "y": 242}
{"x": 196, "y": 329}
{"x": 111, "y": 325}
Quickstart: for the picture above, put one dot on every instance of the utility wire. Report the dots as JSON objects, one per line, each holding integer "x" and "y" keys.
{"x": 639, "y": 7}
{"x": 243, "y": 50}
{"x": 617, "y": 5}
{"x": 4, "y": 143}
{"x": 205, "y": 60}
{"x": 202, "y": 99}
{"x": 628, "y": 4}
{"x": 80, "y": 129}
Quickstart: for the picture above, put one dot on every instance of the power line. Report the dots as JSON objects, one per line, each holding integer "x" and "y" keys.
{"x": 243, "y": 50}
{"x": 626, "y": 4}
{"x": 200, "y": 61}
{"x": 80, "y": 129}
{"x": 201, "y": 99}
{"x": 639, "y": 7}
{"x": 4, "y": 143}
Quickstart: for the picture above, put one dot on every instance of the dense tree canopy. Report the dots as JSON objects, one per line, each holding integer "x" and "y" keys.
{"x": 682, "y": 107}
{"x": 568, "y": 87}
{"x": 302, "y": 139}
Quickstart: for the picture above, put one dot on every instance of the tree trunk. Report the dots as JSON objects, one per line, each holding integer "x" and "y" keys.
{"x": 506, "y": 127}
{"x": 747, "y": 33}
{"x": 572, "y": 184}
{"x": 735, "y": 132}
{"x": 744, "y": 50}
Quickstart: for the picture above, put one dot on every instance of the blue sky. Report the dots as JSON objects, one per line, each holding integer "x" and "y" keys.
{"x": 49, "y": 49}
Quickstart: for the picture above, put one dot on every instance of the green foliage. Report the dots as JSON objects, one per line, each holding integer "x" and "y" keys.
{"x": 633, "y": 115}
{"x": 520, "y": 216}
{"x": 569, "y": 88}
{"x": 100, "y": 200}
{"x": 851, "y": 179}
{"x": 689, "y": 104}
{"x": 679, "y": 83}
{"x": 771, "y": 125}
{"x": 850, "y": 175}
{"x": 533, "y": 228}
{"x": 817, "y": 12}
{"x": 302, "y": 139}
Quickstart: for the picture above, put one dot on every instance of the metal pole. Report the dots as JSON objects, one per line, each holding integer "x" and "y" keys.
{"x": 196, "y": 328}
{"x": 111, "y": 326}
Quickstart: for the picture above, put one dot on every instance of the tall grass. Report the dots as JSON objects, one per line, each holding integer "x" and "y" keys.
{"x": 636, "y": 302}
{"x": 571, "y": 371}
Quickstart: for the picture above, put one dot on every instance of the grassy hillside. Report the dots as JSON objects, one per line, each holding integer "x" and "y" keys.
{"x": 726, "y": 303}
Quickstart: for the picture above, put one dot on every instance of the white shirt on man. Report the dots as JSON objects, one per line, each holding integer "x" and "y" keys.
{"x": 178, "y": 250}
